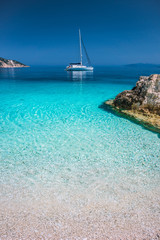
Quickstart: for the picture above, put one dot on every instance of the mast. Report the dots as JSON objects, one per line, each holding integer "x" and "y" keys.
{"x": 80, "y": 46}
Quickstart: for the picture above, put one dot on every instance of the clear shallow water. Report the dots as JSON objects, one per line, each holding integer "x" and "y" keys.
{"x": 68, "y": 168}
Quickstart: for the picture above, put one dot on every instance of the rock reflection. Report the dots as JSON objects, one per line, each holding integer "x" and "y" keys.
{"x": 7, "y": 73}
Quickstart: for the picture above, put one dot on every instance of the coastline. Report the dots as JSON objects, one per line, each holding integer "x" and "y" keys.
{"x": 150, "y": 121}
{"x": 15, "y": 66}
{"x": 6, "y": 63}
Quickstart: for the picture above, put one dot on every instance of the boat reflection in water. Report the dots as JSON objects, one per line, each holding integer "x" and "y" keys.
{"x": 79, "y": 75}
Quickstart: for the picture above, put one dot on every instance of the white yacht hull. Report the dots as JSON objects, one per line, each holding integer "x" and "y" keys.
{"x": 79, "y": 68}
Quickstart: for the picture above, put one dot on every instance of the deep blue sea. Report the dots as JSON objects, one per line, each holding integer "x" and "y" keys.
{"x": 68, "y": 168}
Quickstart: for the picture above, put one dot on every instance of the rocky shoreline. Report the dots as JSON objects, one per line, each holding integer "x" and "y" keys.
{"x": 141, "y": 104}
{"x": 5, "y": 63}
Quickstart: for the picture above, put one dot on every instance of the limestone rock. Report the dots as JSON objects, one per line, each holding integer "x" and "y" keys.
{"x": 5, "y": 63}
{"x": 144, "y": 97}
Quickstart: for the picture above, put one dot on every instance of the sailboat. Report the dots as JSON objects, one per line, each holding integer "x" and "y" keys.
{"x": 79, "y": 66}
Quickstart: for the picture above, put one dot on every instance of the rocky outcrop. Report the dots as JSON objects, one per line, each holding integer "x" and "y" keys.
{"x": 142, "y": 102}
{"x": 5, "y": 63}
{"x": 144, "y": 97}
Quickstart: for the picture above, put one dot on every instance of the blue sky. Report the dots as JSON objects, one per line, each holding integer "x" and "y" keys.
{"x": 114, "y": 31}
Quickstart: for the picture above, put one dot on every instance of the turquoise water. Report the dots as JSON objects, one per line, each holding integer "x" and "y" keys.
{"x": 66, "y": 163}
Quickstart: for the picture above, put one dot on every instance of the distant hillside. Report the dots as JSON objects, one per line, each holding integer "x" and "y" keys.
{"x": 5, "y": 63}
{"x": 143, "y": 65}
